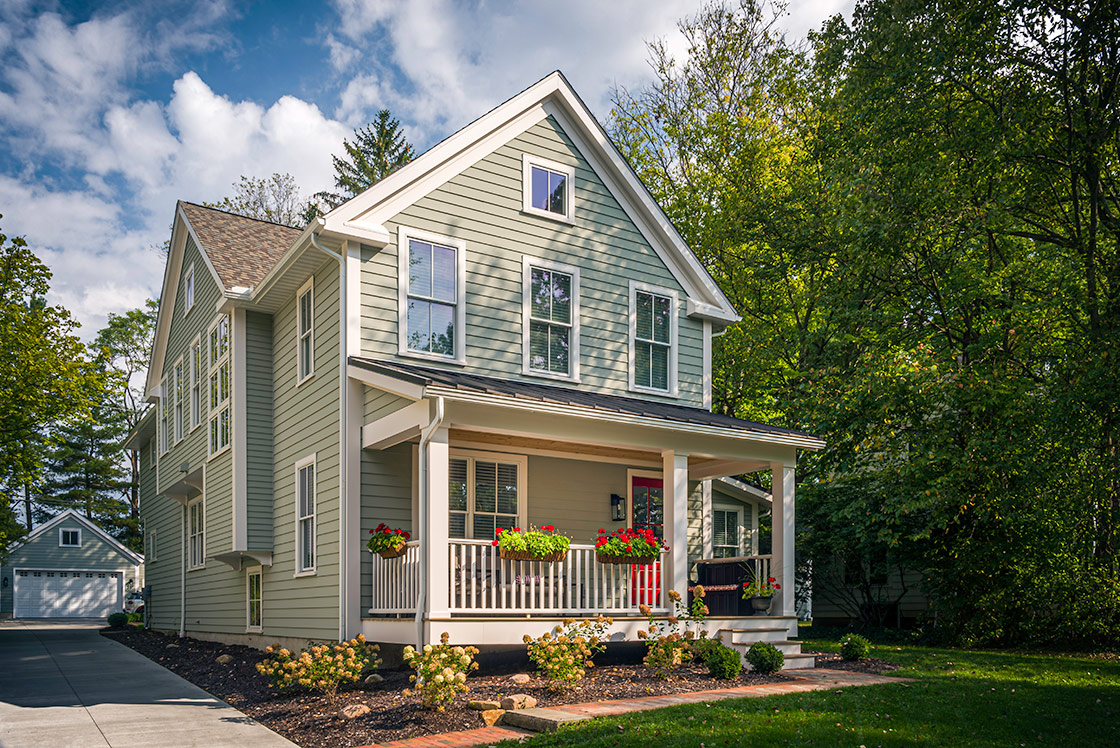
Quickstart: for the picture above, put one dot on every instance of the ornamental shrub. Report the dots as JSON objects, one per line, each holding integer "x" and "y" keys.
{"x": 321, "y": 667}
{"x": 854, "y": 647}
{"x": 724, "y": 662}
{"x": 564, "y": 655}
{"x": 765, "y": 658}
{"x": 117, "y": 620}
{"x": 668, "y": 647}
{"x": 441, "y": 671}
{"x": 135, "y": 617}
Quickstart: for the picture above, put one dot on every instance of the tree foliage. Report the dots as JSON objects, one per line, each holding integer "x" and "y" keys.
{"x": 275, "y": 199}
{"x": 377, "y": 150}
{"x": 916, "y": 215}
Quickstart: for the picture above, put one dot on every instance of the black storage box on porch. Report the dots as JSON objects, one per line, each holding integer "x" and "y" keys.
{"x": 722, "y": 579}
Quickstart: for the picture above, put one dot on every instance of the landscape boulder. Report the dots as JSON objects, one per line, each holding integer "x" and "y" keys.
{"x": 518, "y": 701}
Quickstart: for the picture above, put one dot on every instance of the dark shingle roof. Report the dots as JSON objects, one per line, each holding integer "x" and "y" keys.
{"x": 568, "y": 396}
{"x": 241, "y": 249}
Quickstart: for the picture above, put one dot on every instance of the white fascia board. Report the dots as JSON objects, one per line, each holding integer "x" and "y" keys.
{"x": 575, "y": 411}
{"x": 180, "y": 229}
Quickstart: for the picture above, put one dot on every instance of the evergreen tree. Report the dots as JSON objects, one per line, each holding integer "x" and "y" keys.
{"x": 378, "y": 149}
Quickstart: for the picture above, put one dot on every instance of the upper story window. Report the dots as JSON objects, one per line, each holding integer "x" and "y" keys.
{"x": 70, "y": 538}
{"x": 196, "y": 534}
{"x": 305, "y": 516}
{"x": 164, "y": 417}
{"x": 196, "y": 382}
{"x": 180, "y": 392}
{"x": 188, "y": 289}
{"x": 653, "y": 339}
{"x": 547, "y": 188}
{"x": 305, "y": 334}
{"x": 550, "y": 319}
{"x": 432, "y": 311}
{"x": 220, "y": 426}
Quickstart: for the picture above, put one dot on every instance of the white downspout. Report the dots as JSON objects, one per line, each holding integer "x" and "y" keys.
{"x": 343, "y": 412}
{"x": 422, "y": 598}
{"x": 183, "y": 575}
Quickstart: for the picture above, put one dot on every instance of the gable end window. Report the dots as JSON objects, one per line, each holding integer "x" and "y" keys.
{"x": 196, "y": 534}
{"x": 305, "y": 334}
{"x": 188, "y": 289}
{"x": 653, "y": 339}
{"x": 550, "y": 319}
{"x": 432, "y": 311}
{"x": 70, "y": 538}
{"x": 305, "y": 516}
{"x": 219, "y": 387}
{"x": 548, "y": 188}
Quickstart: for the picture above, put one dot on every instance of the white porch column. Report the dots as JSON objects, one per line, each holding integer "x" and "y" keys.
{"x": 781, "y": 562}
{"x": 675, "y": 481}
{"x": 435, "y": 536}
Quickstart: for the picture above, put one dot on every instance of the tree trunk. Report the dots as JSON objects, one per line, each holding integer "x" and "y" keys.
{"x": 27, "y": 505}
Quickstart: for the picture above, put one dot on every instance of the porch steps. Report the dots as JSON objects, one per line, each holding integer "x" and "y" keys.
{"x": 742, "y": 639}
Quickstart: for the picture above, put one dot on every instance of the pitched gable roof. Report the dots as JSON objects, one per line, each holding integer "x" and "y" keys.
{"x": 71, "y": 514}
{"x": 241, "y": 249}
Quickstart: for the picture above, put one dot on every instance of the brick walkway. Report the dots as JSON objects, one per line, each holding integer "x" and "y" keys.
{"x": 818, "y": 679}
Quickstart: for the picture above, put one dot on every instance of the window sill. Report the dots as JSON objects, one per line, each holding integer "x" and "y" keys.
{"x": 67, "y": 545}
{"x": 252, "y": 629}
{"x": 301, "y": 381}
{"x": 538, "y": 213}
{"x": 196, "y": 568}
{"x": 219, "y": 453}
{"x": 550, "y": 375}
{"x": 305, "y": 573}
{"x": 651, "y": 391}
{"x": 432, "y": 357}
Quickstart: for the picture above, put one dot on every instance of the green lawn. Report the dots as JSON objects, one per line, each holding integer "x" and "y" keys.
{"x": 961, "y": 698}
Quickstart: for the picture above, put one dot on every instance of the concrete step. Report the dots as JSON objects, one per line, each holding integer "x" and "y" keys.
{"x": 750, "y": 636}
{"x": 794, "y": 658}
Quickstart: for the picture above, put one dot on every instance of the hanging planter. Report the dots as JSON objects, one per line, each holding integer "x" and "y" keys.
{"x": 628, "y": 547}
{"x": 534, "y": 544}
{"x": 387, "y": 542}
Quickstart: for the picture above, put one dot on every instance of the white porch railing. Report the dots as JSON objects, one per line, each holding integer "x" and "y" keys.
{"x": 396, "y": 581}
{"x": 482, "y": 583}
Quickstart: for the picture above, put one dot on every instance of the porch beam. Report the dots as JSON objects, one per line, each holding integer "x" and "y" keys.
{"x": 675, "y": 504}
{"x": 397, "y": 427}
{"x": 707, "y": 469}
{"x": 782, "y": 513}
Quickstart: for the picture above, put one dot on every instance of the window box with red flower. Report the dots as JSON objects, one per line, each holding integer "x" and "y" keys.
{"x": 535, "y": 544}
{"x": 628, "y": 546}
{"x": 387, "y": 542}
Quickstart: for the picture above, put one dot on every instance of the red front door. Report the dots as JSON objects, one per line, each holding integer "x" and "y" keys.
{"x": 647, "y": 499}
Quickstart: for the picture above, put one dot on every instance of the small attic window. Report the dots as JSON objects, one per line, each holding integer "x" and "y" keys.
{"x": 548, "y": 188}
{"x": 70, "y": 538}
{"x": 188, "y": 289}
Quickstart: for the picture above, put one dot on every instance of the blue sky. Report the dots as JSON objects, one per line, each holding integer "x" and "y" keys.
{"x": 110, "y": 112}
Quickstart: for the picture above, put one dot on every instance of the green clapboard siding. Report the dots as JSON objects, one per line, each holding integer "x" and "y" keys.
{"x": 260, "y": 464}
{"x": 482, "y": 207}
{"x": 386, "y": 497}
{"x": 305, "y": 422}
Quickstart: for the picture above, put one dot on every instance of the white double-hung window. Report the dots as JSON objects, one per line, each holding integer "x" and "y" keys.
{"x": 432, "y": 308}
{"x": 486, "y": 491}
{"x": 653, "y": 339}
{"x": 219, "y": 388}
{"x": 547, "y": 188}
{"x": 188, "y": 290}
{"x": 550, "y": 319}
{"x": 196, "y": 534}
{"x": 305, "y": 516}
{"x": 164, "y": 417}
{"x": 727, "y": 531}
{"x": 196, "y": 382}
{"x": 180, "y": 392}
{"x": 306, "y": 332}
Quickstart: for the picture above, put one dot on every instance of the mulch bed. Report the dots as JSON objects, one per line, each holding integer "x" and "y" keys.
{"x": 310, "y": 721}
{"x": 834, "y": 661}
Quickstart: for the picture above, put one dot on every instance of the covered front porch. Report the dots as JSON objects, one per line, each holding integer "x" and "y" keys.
{"x": 478, "y": 459}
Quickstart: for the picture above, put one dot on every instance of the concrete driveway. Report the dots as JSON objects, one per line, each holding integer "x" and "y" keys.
{"x": 63, "y": 684}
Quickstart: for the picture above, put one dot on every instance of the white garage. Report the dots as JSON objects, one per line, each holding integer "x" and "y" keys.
{"x": 40, "y": 593}
{"x": 68, "y": 567}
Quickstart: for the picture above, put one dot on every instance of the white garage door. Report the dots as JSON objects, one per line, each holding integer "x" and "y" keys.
{"x": 67, "y": 594}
